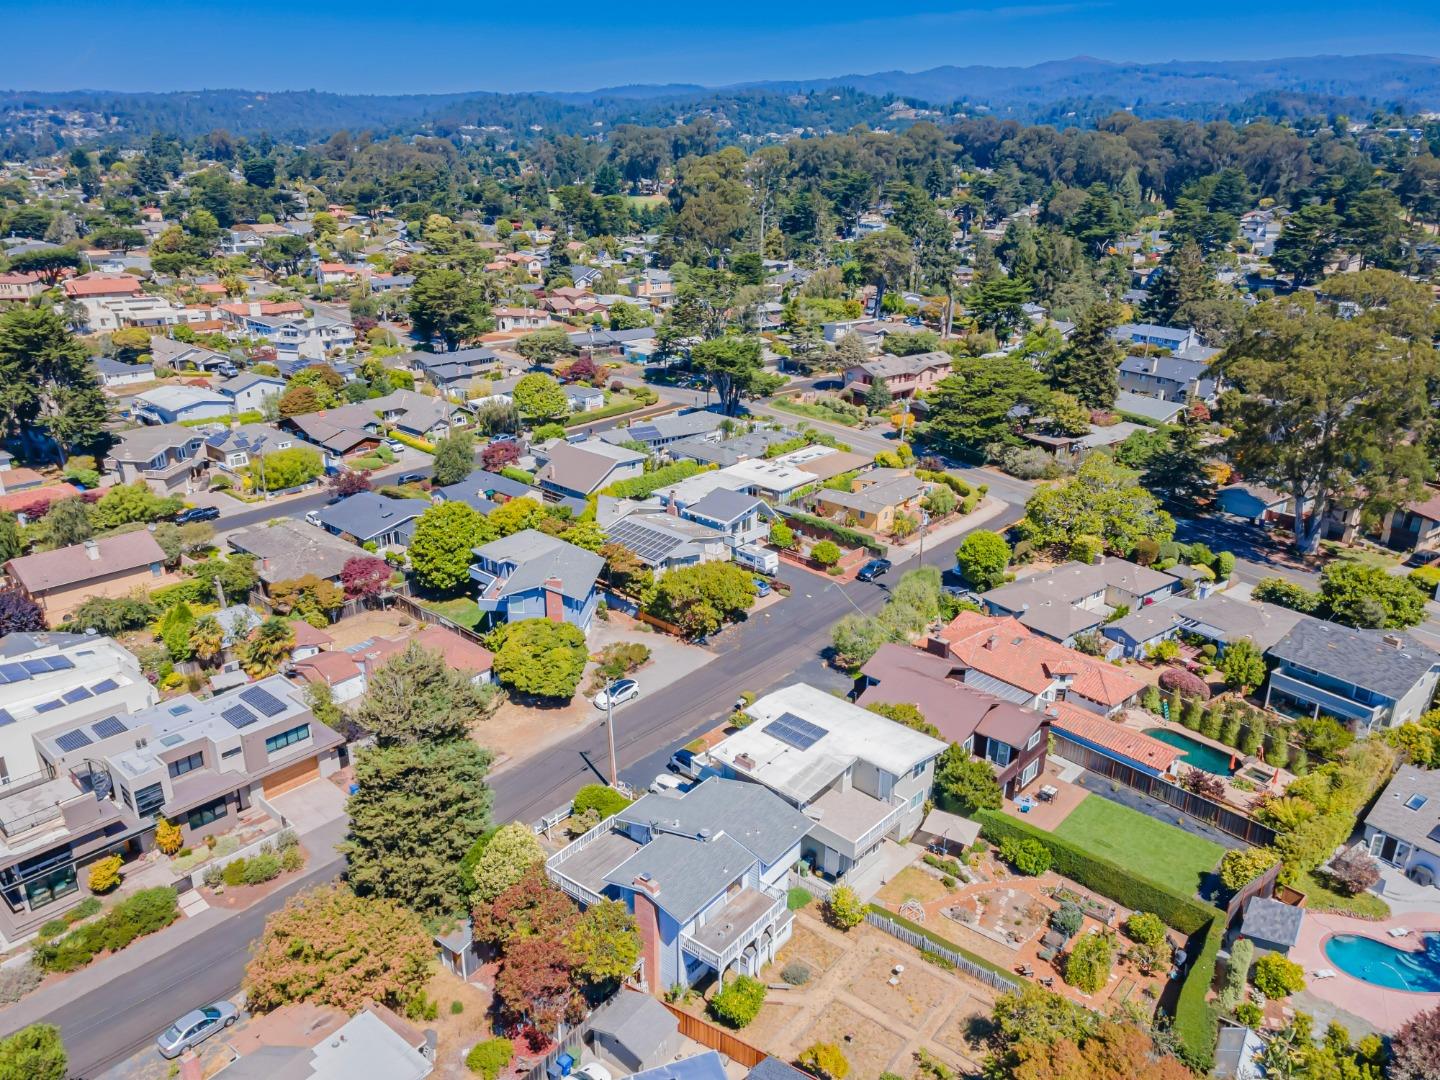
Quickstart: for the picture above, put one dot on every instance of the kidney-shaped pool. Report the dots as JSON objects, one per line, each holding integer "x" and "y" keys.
{"x": 1380, "y": 964}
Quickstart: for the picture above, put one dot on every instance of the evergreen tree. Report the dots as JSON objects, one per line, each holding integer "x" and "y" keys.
{"x": 1085, "y": 368}
{"x": 1177, "y": 474}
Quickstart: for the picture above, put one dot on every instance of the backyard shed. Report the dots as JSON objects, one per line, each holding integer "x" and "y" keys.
{"x": 1271, "y": 925}
{"x": 636, "y": 1032}
{"x": 459, "y": 951}
{"x": 954, "y": 832}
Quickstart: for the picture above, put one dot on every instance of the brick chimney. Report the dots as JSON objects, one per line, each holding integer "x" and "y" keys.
{"x": 647, "y": 922}
{"x": 992, "y": 641}
{"x": 554, "y": 601}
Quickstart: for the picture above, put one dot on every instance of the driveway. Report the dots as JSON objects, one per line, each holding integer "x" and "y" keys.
{"x": 310, "y": 806}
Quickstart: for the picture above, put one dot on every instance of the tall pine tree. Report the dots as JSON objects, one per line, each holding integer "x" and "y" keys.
{"x": 1085, "y": 367}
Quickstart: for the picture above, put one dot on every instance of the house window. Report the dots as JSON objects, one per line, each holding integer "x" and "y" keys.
{"x": 1030, "y": 771}
{"x": 917, "y": 771}
{"x": 204, "y": 815}
{"x": 231, "y": 752}
{"x": 287, "y": 738}
{"x": 998, "y": 752}
{"x": 187, "y": 764}
{"x": 969, "y": 744}
{"x": 149, "y": 800}
{"x": 125, "y": 795}
{"x": 1033, "y": 741}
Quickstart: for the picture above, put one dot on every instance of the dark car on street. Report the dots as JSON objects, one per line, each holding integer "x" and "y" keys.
{"x": 873, "y": 569}
{"x": 197, "y": 513}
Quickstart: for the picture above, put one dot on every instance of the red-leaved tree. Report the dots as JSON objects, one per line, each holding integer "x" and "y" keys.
{"x": 365, "y": 576}
{"x": 1415, "y": 1048}
{"x": 19, "y": 614}
{"x": 496, "y": 456}
{"x": 346, "y": 482}
{"x": 582, "y": 370}
{"x": 535, "y": 986}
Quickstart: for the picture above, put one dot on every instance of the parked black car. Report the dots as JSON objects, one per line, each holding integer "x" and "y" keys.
{"x": 197, "y": 513}
{"x": 873, "y": 569}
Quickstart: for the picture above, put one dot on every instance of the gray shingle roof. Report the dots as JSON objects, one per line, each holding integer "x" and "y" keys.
{"x": 723, "y": 505}
{"x": 1270, "y": 920}
{"x": 637, "y": 1021}
{"x": 538, "y": 557}
{"x": 1361, "y": 657}
{"x": 750, "y": 814}
{"x": 1392, "y": 813}
{"x": 367, "y": 514}
{"x": 689, "y": 874}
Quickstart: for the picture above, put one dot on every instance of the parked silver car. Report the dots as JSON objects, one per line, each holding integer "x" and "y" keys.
{"x": 195, "y": 1027}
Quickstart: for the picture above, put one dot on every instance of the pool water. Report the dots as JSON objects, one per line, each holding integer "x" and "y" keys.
{"x": 1203, "y": 757}
{"x": 1380, "y": 964}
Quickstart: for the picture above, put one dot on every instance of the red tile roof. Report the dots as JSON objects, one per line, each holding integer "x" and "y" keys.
{"x": 1111, "y": 735}
{"x": 1006, "y": 650}
{"x": 17, "y": 500}
{"x": 103, "y": 285}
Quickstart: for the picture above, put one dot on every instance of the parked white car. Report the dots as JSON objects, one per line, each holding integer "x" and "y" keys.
{"x": 666, "y": 783}
{"x": 617, "y": 693}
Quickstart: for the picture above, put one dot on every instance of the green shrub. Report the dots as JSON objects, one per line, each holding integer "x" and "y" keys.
{"x": 641, "y": 487}
{"x": 1067, "y": 918}
{"x": 1087, "y": 968}
{"x": 844, "y": 908}
{"x": 1145, "y": 928}
{"x": 456, "y": 1008}
{"x": 291, "y": 860}
{"x": 795, "y": 973}
{"x": 490, "y": 1057}
{"x": 142, "y": 913}
{"x": 1237, "y": 971}
{"x": 1278, "y": 976}
{"x": 53, "y": 928}
{"x": 739, "y": 1002}
{"x": 604, "y": 800}
{"x": 91, "y": 905}
{"x": 234, "y": 872}
{"x": 1027, "y": 855}
{"x": 851, "y": 538}
{"x": 1426, "y": 579}
{"x": 826, "y": 553}
{"x": 262, "y": 868}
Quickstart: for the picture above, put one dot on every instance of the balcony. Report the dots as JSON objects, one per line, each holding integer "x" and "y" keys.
{"x": 37, "y": 799}
{"x": 851, "y": 822}
{"x": 580, "y": 869}
{"x": 736, "y": 926}
{"x": 1326, "y": 700}
{"x": 488, "y": 597}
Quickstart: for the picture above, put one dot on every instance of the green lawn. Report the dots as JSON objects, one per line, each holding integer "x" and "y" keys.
{"x": 815, "y": 412}
{"x": 1152, "y": 849}
{"x": 462, "y": 610}
{"x": 1318, "y": 898}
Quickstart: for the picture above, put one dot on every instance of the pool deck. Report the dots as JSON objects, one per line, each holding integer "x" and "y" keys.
{"x": 1387, "y": 1009}
{"x": 1280, "y": 779}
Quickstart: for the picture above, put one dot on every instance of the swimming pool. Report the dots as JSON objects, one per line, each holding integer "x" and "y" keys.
{"x": 1380, "y": 964}
{"x": 1196, "y": 753}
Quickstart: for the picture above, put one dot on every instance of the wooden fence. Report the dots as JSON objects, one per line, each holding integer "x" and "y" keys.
{"x": 707, "y": 1034}
{"x": 434, "y": 618}
{"x": 1264, "y": 885}
{"x": 1222, "y": 817}
{"x": 1000, "y": 982}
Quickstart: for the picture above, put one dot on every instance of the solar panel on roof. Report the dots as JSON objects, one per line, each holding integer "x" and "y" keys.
{"x": 5, "y": 717}
{"x": 260, "y": 699}
{"x": 62, "y": 663}
{"x": 70, "y": 697}
{"x": 72, "y": 740}
{"x": 109, "y": 727}
{"x": 35, "y": 667}
{"x": 237, "y": 716}
{"x": 49, "y": 706}
{"x": 104, "y": 686}
{"x": 14, "y": 672}
{"x": 793, "y": 731}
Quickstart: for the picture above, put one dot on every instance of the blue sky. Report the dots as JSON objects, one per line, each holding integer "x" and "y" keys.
{"x": 445, "y": 45}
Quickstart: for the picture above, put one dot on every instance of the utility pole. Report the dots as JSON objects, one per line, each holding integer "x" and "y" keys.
{"x": 610, "y": 737}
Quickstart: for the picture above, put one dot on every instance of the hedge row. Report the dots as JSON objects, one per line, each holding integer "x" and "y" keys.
{"x": 641, "y": 487}
{"x": 954, "y": 483}
{"x": 844, "y": 536}
{"x": 410, "y": 440}
{"x": 1194, "y": 1021}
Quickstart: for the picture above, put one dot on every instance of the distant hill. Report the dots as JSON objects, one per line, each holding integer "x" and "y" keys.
{"x": 1061, "y": 92}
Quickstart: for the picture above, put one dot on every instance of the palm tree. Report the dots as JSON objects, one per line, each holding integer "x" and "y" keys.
{"x": 207, "y": 640}
{"x": 267, "y": 648}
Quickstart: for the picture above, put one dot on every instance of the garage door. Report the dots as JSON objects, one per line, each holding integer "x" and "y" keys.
{"x": 292, "y": 776}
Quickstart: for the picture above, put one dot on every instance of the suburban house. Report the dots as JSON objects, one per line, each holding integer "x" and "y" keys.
{"x": 1077, "y": 598}
{"x": 876, "y": 499}
{"x": 182, "y": 356}
{"x": 1365, "y": 678}
{"x": 1224, "y": 621}
{"x": 103, "y": 780}
{"x": 346, "y": 672}
{"x": 530, "y": 575}
{"x": 743, "y": 519}
{"x": 658, "y": 432}
{"x": 660, "y": 540}
{"x": 704, "y": 874}
{"x": 115, "y": 373}
{"x": 1001, "y": 656}
{"x": 92, "y": 292}
{"x": 1153, "y": 409}
{"x": 1256, "y": 502}
{"x": 858, "y": 777}
{"x": 235, "y": 449}
{"x": 247, "y": 393}
{"x": 1175, "y": 378}
{"x": 20, "y": 288}
{"x": 63, "y": 579}
{"x": 173, "y": 404}
{"x": 902, "y": 376}
{"x": 723, "y": 452}
{"x": 337, "y": 436}
{"x": 453, "y": 373}
{"x": 368, "y": 518}
{"x": 304, "y": 1041}
{"x": 1414, "y": 526}
{"x": 483, "y": 490}
{"x": 776, "y": 479}
{"x": 1403, "y": 827}
{"x": 301, "y": 338}
{"x": 583, "y": 399}
{"x": 638, "y": 1033}
{"x": 581, "y": 469}
{"x": 1011, "y": 738}
{"x": 509, "y": 319}
{"x": 1156, "y": 337}
{"x": 288, "y": 550}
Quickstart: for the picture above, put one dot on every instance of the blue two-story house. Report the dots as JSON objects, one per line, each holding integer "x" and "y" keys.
{"x": 703, "y": 873}
{"x": 534, "y": 576}
{"x": 1365, "y": 678}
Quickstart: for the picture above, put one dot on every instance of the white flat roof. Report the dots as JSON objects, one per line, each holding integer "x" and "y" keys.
{"x": 768, "y": 475}
{"x": 850, "y": 734}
